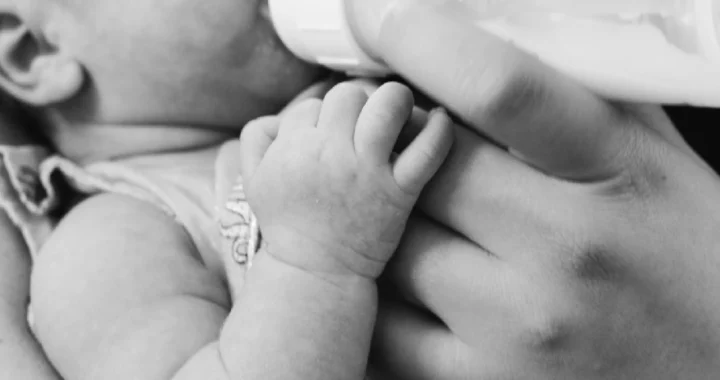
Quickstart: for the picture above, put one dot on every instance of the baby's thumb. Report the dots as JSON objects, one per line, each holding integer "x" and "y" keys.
{"x": 256, "y": 138}
{"x": 235, "y": 165}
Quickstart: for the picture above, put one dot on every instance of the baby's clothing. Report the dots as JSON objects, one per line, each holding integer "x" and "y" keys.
{"x": 37, "y": 187}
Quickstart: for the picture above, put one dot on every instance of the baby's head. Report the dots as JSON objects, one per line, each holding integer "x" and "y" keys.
{"x": 212, "y": 62}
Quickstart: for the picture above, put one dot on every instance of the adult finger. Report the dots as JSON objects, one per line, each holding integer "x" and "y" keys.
{"x": 454, "y": 278}
{"x": 553, "y": 123}
{"x": 494, "y": 199}
{"x": 410, "y": 344}
{"x": 489, "y": 196}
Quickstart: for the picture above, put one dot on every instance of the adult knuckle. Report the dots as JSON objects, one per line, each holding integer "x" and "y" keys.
{"x": 504, "y": 89}
{"x": 641, "y": 168}
{"x": 549, "y": 334}
{"x": 595, "y": 263}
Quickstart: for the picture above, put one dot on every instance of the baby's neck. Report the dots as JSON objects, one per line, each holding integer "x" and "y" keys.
{"x": 91, "y": 143}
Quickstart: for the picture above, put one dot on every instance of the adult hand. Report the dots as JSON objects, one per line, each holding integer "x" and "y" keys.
{"x": 586, "y": 250}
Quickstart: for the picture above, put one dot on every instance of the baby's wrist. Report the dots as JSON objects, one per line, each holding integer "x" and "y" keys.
{"x": 300, "y": 276}
{"x": 325, "y": 258}
{"x": 298, "y": 315}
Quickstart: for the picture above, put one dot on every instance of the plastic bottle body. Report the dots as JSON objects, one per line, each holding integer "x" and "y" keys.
{"x": 504, "y": 8}
{"x": 664, "y": 51}
{"x": 690, "y": 25}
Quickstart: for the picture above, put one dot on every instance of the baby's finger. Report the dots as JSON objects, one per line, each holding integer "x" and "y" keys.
{"x": 366, "y": 84}
{"x": 300, "y": 116}
{"x": 316, "y": 91}
{"x": 255, "y": 139}
{"x": 415, "y": 125}
{"x": 381, "y": 121}
{"x": 423, "y": 157}
{"x": 341, "y": 109}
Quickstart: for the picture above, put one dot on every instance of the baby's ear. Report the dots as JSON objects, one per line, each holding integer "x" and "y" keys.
{"x": 31, "y": 70}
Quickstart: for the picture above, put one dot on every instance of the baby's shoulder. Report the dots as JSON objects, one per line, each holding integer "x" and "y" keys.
{"x": 111, "y": 221}
{"x": 129, "y": 271}
{"x": 110, "y": 235}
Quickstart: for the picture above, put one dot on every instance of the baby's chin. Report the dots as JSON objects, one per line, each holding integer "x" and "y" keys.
{"x": 293, "y": 76}
{"x": 269, "y": 99}
{"x": 280, "y": 75}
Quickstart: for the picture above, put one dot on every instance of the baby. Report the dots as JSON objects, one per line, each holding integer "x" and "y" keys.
{"x": 131, "y": 281}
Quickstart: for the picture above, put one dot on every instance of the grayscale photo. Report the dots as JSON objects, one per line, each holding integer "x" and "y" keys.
{"x": 359, "y": 190}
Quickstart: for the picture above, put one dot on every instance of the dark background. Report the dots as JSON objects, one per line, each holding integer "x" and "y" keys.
{"x": 699, "y": 126}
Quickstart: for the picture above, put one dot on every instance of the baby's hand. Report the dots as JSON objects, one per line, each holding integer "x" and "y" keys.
{"x": 329, "y": 194}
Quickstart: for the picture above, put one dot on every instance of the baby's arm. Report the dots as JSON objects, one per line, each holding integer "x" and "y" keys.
{"x": 119, "y": 292}
{"x": 332, "y": 202}
{"x": 290, "y": 324}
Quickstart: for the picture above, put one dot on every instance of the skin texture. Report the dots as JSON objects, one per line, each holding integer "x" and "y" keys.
{"x": 113, "y": 80}
{"x": 309, "y": 300}
{"x": 587, "y": 250}
{"x": 330, "y": 171}
{"x": 591, "y": 243}
{"x": 332, "y": 206}
{"x": 144, "y": 72}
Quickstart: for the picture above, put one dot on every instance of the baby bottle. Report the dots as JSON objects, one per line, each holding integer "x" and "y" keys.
{"x": 658, "y": 51}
